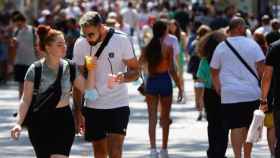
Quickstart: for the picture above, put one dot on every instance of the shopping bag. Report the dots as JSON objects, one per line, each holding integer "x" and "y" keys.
{"x": 256, "y": 127}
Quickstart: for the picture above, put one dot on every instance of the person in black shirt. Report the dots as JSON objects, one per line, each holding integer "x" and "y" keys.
{"x": 272, "y": 67}
{"x": 182, "y": 16}
{"x": 219, "y": 21}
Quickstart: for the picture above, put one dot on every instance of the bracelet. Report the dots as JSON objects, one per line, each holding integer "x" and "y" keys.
{"x": 263, "y": 102}
{"x": 122, "y": 77}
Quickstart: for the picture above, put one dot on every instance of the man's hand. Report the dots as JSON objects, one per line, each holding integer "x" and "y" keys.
{"x": 120, "y": 78}
{"x": 263, "y": 106}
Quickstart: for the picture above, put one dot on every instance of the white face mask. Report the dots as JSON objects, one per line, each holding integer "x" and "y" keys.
{"x": 91, "y": 95}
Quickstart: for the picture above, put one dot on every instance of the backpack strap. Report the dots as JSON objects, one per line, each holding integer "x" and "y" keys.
{"x": 60, "y": 71}
{"x": 72, "y": 68}
{"x": 34, "y": 36}
{"x": 37, "y": 79}
{"x": 16, "y": 33}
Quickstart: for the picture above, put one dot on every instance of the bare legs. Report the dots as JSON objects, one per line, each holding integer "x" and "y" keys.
{"x": 238, "y": 138}
{"x": 111, "y": 145}
{"x": 152, "y": 102}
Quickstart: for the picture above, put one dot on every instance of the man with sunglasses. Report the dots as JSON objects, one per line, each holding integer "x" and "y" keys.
{"x": 107, "y": 117}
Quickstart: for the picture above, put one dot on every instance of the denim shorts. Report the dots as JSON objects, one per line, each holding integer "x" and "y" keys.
{"x": 159, "y": 84}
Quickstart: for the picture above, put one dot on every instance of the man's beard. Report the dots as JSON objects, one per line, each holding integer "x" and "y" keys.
{"x": 95, "y": 42}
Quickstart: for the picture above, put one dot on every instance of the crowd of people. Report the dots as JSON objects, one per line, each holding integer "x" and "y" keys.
{"x": 224, "y": 50}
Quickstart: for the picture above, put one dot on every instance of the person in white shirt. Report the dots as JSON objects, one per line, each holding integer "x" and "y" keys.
{"x": 238, "y": 88}
{"x": 73, "y": 11}
{"x": 265, "y": 28}
{"x": 107, "y": 117}
{"x": 124, "y": 27}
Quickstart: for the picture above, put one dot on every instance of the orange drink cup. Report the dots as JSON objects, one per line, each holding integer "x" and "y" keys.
{"x": 88, "y": 62}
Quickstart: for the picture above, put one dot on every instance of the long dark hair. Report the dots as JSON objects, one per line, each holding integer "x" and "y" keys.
{"x": 153, "y": 51}
{"x": 177, "y": 33}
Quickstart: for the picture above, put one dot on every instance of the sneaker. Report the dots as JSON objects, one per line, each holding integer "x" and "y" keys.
{"x": 153, "y": 153}
{"x": 163, "y": 153}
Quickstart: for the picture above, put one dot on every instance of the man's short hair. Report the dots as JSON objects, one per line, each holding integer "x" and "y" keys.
{"x": 265, "y": 19}
{"x": 275, "y": 24}
{"x": 91, "y": 18}
{"x": 235, "y": 22}
{"x": 18, "y": 16}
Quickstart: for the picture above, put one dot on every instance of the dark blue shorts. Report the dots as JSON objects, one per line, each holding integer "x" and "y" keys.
{"x": 159, "y": 84}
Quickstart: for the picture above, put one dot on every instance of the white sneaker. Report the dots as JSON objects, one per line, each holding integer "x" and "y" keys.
{"x": 164, "y": 153}
{"x": 153, "y": 153}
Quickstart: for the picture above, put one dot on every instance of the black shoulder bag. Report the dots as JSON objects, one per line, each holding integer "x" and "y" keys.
{"x": 243, "y": 61}
{"x": 43, "y": 104}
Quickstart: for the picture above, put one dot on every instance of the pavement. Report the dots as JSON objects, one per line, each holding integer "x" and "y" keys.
{"x": 188, "y": 137}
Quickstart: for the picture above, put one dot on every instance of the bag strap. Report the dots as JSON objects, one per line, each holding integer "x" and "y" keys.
{"x": 34, "y": 36}
{"x": 37, "y": 79}
{"x": 60, "y": 71}
{"x": 16, "y": 33}
{"x": 242, "y": 60}
{"x": 72, "y": 67}
{"x": 105, "y": 42}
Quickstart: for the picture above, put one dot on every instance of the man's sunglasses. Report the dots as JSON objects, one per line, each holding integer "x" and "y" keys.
{"x": 88, "y": 35}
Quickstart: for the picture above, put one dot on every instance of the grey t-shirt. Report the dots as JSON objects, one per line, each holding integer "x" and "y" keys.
{"x": 48, "y": 76}
{"x": 25, "y": 53}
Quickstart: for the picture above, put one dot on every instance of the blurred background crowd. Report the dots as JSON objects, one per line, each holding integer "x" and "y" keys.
{"x": 132, "y": 17}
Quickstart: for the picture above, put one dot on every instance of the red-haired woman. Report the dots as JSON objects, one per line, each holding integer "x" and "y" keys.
{"x": 51, "y": 133}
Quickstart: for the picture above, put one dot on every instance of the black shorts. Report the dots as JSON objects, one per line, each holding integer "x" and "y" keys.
{"x": 100, "y": 122}
{"x": 238, "y": 115}
{"x": 54, "y": 135}
{"x": 19, "y": 72}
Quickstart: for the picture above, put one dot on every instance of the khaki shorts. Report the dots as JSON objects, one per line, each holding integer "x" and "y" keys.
{"x": 268, "y": 120}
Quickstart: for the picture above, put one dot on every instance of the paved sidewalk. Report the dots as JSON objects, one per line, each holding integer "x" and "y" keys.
{"x": 188, "y": 138}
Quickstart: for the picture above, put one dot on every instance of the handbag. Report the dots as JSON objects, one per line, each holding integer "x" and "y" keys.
{"x": 256, "y": 127}
{"x": 243, "y": 62}
{"x": 142, "y": 87}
